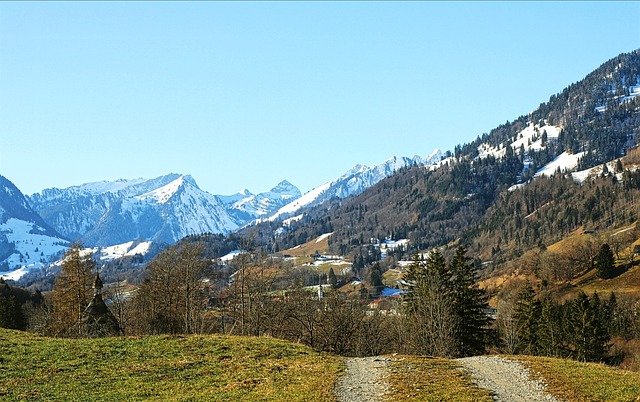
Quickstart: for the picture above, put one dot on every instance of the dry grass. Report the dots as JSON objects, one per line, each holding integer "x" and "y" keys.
{"x": 576, "y": 381}
{"x": 416, "y": 378}
{"x": 309, "y": 248}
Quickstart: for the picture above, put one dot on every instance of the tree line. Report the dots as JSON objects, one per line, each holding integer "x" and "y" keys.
{"x": 581, "y": 328}
{"x": 443, "y": 311}
{"x": 183, "y": 292}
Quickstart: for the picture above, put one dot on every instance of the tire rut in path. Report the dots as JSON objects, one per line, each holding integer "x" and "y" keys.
{"x": 509, "y": 380}
{"x": 365, "y": 380}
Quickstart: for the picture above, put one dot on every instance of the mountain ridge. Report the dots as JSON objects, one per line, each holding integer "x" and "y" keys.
{"x": 26, "y": 240}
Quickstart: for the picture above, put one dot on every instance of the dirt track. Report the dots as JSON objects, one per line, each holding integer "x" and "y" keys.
{"x": 364, "y": 380}
{"x": 508, "y": 379}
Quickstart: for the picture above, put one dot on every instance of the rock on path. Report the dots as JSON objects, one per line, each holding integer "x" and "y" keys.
{"x": 365, "y": 380}
{"x": 509, "y": 380}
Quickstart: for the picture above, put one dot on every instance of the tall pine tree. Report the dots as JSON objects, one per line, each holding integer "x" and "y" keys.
{"x": 587, "y": 330}
{"x": 605, "y": 262}
{"x": 447, "y": 301}
{"x": 527, "y": 316}
{"x": 470, "y": 305}
{"x": 429, "y": 309}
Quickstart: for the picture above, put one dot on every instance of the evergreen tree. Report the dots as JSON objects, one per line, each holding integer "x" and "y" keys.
{"x": 469, "y": 305}
{"x": 440, "y": 289}
{"x": 333, "y": 279}
{"x": 549, "y": 336}
{"x": 588, "y": 332}
{"x": 431, "y": 323}
{"x": 605, "y": 262}
{"x": 11, "y": 315}
{"x": 527, "y": 316}
{"x": 617, "y": 323}
{"x": 376, "y": 279}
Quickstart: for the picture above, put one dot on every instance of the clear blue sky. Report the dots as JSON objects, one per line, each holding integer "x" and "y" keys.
{"x": 243, "y": 95}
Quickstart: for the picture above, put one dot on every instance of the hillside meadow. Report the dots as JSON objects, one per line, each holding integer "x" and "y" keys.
{"x": 229, "y": 368}
{"x": 213, "y": 368}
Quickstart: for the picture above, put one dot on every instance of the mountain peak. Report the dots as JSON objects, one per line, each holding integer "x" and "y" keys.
{"x": 285, "y": 187}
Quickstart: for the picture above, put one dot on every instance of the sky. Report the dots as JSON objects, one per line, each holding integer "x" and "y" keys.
{"x": 246, "y": 94}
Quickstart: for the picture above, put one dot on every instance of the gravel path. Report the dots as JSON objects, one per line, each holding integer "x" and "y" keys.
{"x": 364, "y": 380}
{"x": 509, "y": 380}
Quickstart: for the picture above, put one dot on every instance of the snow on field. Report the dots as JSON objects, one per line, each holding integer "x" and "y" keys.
{"x": 530, "y": 138}
{"x": 392, "y": 244}
{"x": 322, "y": 237}
{"x": 565, "y": 161}
{"x": 123, "y": 250}
{"x": 232, "y": 255}
{"x": 288, "y": 222}
{"x": 319, "y": 263}
{"x": 20, "y": 272}
{"x": 142, "y": 248}
{"x": 583, "y": 175}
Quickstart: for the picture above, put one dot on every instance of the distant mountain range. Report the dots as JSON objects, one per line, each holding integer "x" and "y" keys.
{"x": 160, "y": 210}
{"x": 353, "y": 182}
{"x": 163, "y": 209}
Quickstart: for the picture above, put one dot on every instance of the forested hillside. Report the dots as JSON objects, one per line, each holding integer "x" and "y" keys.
{"x": 470, "y": 196}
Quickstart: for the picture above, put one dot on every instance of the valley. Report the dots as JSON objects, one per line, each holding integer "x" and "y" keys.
{"x": 523, "y": 243}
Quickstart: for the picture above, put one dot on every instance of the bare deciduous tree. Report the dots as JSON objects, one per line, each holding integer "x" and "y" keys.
{"x": 72, "y": 292}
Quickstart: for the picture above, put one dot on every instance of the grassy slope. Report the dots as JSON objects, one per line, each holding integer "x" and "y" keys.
{"x": 163, "y": 368}
{"x": 309, "y": 248}
{"x": 222, "y": 368}
{"x": 576, "y": 381}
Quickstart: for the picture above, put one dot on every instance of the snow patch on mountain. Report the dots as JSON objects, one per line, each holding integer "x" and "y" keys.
{"x": 288, "y": 222}
{"x": 322, "y": 237}
{"x": 303, "y": 201}
{"x": 564, "y": 162}
{"x": 163, "y": 194}
{"x": 530, "y": 138}
{"x": 32, "y": 248}
{"x": 230, "y": 256}
{"x": 128, "y": 249}
{"x": 582, "y": 175}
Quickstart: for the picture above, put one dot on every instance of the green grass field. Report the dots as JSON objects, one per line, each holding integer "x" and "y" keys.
{"x": 227, "y": 368}
{"x": 576, "y": 381}
{"x": 213, "y": 368}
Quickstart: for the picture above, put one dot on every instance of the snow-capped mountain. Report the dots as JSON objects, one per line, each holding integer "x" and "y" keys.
{"x": 247, "y": 206}
{"x": 354, "y": 181}
{"x": 25, "y": 239}
{"x": 76, "y": 210}
{"x": 163, "y": 209}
